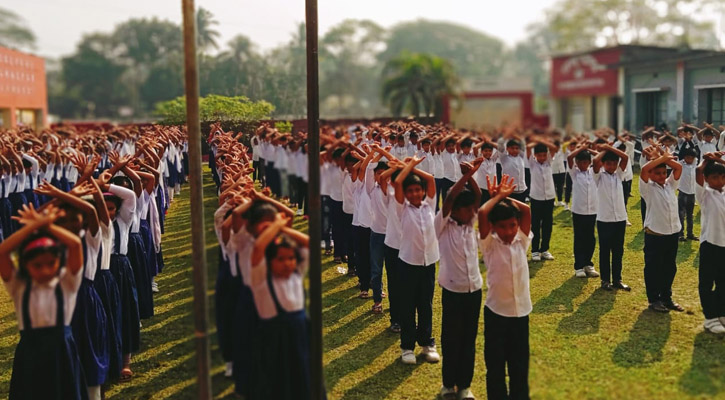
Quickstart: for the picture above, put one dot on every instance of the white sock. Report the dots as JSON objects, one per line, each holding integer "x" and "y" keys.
{"x": 94, "y": 392}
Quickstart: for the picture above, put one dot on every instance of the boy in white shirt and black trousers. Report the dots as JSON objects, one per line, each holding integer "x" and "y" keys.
{"x": 514, "y": 165}
{"x": 542, "y": 196}
{"x": 686, "y": 196}
{"x": 505, "y": 235}
{"x": 584, "y": 210}
{"x": 609, "y": 168}
{"x": 461, "y": 282}
{"x": 709, "y": 192}
{"x": 662, "y": 227}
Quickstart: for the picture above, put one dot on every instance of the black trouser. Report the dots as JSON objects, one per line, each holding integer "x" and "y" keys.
{"x": 458, "y": 337}
{"x": 660, "y": 266}
{"x": 643, "y": 209}
{"x": 255, "y": 174}
{"x": 337, "y": 220}
{"x": 302, "y": 195}
{"x": 346, "y": 237}
{"x": 417, "y": 284}
{"x": 611, "y": 241}
{"x": 520, "y": 196}
{"x": 568, "y": 189}
{"x": 326, "y": 220}
{"x": 626, "y": 191}
{"x": 361, "y": 245}
{"x": 485, "y": 196}
{"x": 262, "y": 175}
{"x": 712, "y": 273}
{"x": 527, "y": 180}
{"x": 392, "y": 271}
{"x": 559, "y": 180}
{"x": 584, "y": 241}
{"x": 686, "y": 207}
{"x": 506, "y": 344}
{"x": 446, "y": 184}
{"x": 542, "y": 219}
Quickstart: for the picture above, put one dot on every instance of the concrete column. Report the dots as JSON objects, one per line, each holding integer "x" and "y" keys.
{"x": 680, "y": 91}
{"x": 622, "y": 96}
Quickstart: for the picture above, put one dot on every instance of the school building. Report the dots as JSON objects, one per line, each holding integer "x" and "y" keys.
{"x": 23, "y": 90}
{"x": 631, "y": 86}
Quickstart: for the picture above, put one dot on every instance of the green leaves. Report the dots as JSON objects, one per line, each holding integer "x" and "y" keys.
{"x": 215, "y": 108}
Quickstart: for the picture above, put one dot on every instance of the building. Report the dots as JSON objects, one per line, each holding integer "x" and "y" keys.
{"x": 23, "y": 90}
{"x": 493, "y": 103}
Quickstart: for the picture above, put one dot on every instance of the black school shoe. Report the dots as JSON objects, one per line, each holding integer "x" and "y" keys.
{"x": 607, "y": 286}
{"x": 657, "y": 306}
{"x": 671, "y": 305}
{"x": 622, "y": 286}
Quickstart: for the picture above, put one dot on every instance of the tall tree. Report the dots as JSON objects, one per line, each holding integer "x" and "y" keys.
{"x": 418, "y": 83}
{"x": 206, "y": 36}
{"x": 14, "y": 32}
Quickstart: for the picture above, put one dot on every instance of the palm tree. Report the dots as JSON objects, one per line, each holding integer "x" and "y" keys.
{"x": 206, "y": 36}
{"x": 13, "y": 31}
{"x": 418, "y": 82}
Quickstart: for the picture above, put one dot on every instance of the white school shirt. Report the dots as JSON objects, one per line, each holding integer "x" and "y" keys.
{"x": 335, "y": 177}
{"x": 125, "y": 215}
{"x": 515, "y": 168}
{"x": 662, "y": 214}
{"x": 427, "y": 164}
{"x": 687, "y": 178}
{"x": 438, "y": 166}
{"x": 451, "y": 170}
{"x": 90, "y": 258}
{"x": 411, "y": 149}
{"x": 243, "y": 246}
{"x": 706, "y": 147}
{"x": 107, "y": 234}
{"x": 459, "y": 270}
{"x": 290, "y": 292}
{"x": 348, "y": 194}
{"x": 721, "y": 141}
{"x": 558, "y": 163}
{"x": 487, "y": 169}
{"x": 507, "y": 278}
{"x": 542, "y": 179}
{"x": 400, "y": 152}
{"x": 418, "y": 243}
{"x": 365, "y": 217}
{"x": 584, "y": 191}
{"x": 712, "y": 220}
{"x": 325, "y": 179}
{"x": 462, "y": 157}
{"x": 218, "y": 222}
{"x": 42, "y": 306}
{"x": 379, "y": 210}
{"x": 610, "y": 207}
{"x": 393, "y": 231}
{"x": 254, "y": 141}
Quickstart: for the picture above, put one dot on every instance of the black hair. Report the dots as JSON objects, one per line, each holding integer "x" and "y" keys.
{"x": 464, "y": 199}
{"x": 413, "y": 135}
{"x": 114, "y": 199}
{"x": 663, "y": 165}
{"x": 426, "y": 140}
{"x": 467, "y": 142}
{"x": 610, "y": 156}
{"x": 337, "y": 153}
{"x": 583, "y": 155}
{"x": 413, "y": 179}
{"x": 25, "y": 256}
{"x": 512, "y": 143}
{"x": 487, "y": 146}
{"x": 395, "y": 175}
{"x": 382, "y": 166}
{"x": 687, "y": 152}
{"x": 27, "y": 164}
{"x": 349, "y": 158}
{"x": 280, "y": 242}
{"x": 600, "y": 141}
{"x": 540, "y": 148}
{"x": 123, "y": 181}
{"x": 622, "y": 147}
{"x": 713, "y": 168}
{"x": 260, "y": 211}
{"x": 503, "y": 210}
{"x": 708, "y": 132}
{"x": 450, "y": 141}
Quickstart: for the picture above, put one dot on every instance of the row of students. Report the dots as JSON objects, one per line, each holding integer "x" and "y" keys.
{"x": 87, "y": 312}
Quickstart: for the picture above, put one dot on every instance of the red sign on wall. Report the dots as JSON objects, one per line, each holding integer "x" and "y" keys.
{"x": 587, "y": 74}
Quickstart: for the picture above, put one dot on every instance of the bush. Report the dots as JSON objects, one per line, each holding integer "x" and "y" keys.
{"x": 283, "y": 126}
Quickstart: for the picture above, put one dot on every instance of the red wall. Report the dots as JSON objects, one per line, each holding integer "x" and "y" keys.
{"x": 588, "y": 74}
{"x": 22, "y": 82}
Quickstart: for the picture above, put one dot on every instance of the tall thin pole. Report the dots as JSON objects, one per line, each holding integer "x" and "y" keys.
{"x": 201, "y": 317}
{"x": 313, "y": 196}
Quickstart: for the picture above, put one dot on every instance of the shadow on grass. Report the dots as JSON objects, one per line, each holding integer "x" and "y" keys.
{"x": 707, "y": 371}
{"x": 342, "y": 334}
{"x": 381, "y": 384}
{"x": 637, "y": 242}
{"x": 585, "y": 321}
{"x": 359, "y": 357}
{"x": 560, "y": 300}
{"x": 646, "y": 341}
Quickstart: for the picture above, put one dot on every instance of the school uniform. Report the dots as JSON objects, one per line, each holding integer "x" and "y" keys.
{"x": 662, "y": 227}
{"x": 32, "y": 181}
{"x": 611, "y": 223}
{"x": 348, "y": 210}
{"x": 460, "y": 280}
{"x": 558, "y": 173}
{"x": 506, "y": 316}
{"x": 107, "y": 290}
{"x": 138, "y": 257}
{"x": 486, "y": 170}
{"x": 542, "y": 203}
{"x": 378, "y": 216}
{"x": 568, "y": 184}
{"x": 337, "y": 220}
{"x": 226, "y": 287}
{"x": 438, "y": 176}
{"x": 246, "y": 318}
{"x": 46, "y": 363}
{"x": 17, "y": 199}
{"x": 123, "y": 274}
{"x": 326, "y": 207}
{"x": 584, "y": 215}
{"x": 361, "y": 227}
{"x": 6, "y": 207}
{"x": 711, "y": 285}
{"x": 418, "y": 255}
{"x": 254, "y": 141}
{"x": 280, "y": 350}
{"x": 515, "y": 167}
{"x": 451, "y": 172}
{"x": 686, "y": 197}
{"x": 393, "y": 237}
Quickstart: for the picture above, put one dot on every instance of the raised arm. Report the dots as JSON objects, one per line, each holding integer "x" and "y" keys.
{"x": 459, "y": 186}
{"x": 266, "y": 237}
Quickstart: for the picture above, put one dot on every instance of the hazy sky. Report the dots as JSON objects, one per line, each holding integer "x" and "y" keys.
{"x": 59, "y": 24}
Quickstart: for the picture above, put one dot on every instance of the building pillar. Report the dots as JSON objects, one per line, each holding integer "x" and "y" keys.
{"x": 680, "y": 91}
{"x": 622, "y": 96}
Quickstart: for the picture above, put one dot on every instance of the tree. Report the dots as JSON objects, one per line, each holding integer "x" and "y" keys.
{"x": 206, "y": 36}
{"x": 418, "y": 82}
{"x": 215, "y": 108}
{"x": 14, "y": 32}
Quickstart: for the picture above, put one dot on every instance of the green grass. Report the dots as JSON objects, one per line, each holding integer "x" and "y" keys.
{"x": 585, "y": 343}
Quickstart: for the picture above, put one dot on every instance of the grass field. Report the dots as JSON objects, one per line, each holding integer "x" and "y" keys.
{"x": 585, "y": 343}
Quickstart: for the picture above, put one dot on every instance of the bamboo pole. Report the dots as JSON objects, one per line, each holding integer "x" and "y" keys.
{"x": 313, "y": 197}
{"x": 201, "y": 316}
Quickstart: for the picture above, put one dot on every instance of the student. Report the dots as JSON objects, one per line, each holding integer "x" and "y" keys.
{"x": 415, "y": 197}
{"x": 542, "y": 196}
{"x": 362, "y": 173}
{"x": 513, "y": 164}
{"x": 709, "y": 192}
{"x": 281, "y": 346}
{"x": 662, "y": 227}
{"x": 340, "y": 230}
{"x": 46, "y": 363}
{"x": 461, "y": 282}
{"x": 348, "y": 210}
{"x": 686, "y": 196}
{"x": 487, "y": 170}
{"x": 568, "y": 184}
{"x": 449, "y": 159}
{"x": 505, "y": 234}
{"x": 609, "y": 166}
{"x": 377, "y": 189}
{"x": 558, "y": 171}
{"x": 707, "y": 143}
{"x": 584, "y": 210}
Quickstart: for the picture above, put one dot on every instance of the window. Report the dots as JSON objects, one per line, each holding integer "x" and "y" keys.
{"x": 651, "y": 109}
{"x": 712, "y": 107}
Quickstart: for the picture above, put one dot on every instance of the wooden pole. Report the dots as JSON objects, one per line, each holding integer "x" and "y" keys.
{"x": 201, "y": 316}
{"x": 313, "y": 197}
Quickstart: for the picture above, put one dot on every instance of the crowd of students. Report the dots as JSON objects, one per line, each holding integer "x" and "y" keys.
{"x": 81, "y": 219}
{"x": 404, "y": 197}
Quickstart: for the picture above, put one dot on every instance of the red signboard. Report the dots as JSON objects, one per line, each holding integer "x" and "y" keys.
{"x": 588, "y": 74}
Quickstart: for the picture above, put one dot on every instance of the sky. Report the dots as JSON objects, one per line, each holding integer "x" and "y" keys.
{"x": 60, "y": 24}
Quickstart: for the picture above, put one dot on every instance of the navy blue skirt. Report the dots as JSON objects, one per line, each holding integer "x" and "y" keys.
{"x": 281, "y": 356}
{"x": 225, "y": 297}
{"x": 244, "y": 330}
{"x": 32, "y": 198}
{"x": 137, "y": 257}
{"x": 130, "y": 322}
{"x": 110, "y": 297}
{"x": 148, "y": 244}
{"x": 6, "y": 211}
{"x": 90, "y": 332}
{"x": 46, "y": 366}
{"x": 17, "y": 201}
